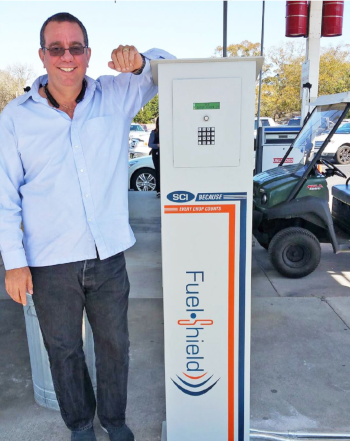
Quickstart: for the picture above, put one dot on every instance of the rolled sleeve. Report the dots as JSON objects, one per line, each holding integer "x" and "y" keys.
{"x": 135, "y": 91}
{"x": 11, "y": 178}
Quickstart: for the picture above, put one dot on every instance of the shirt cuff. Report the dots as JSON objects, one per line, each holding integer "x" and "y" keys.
{"x": 140, "y": 70}
{"x": 14, "y": 259}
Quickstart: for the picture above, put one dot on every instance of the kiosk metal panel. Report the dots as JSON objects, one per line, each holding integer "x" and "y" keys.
{"x": 206, "y": 122}
{"x": 206, "y": 205}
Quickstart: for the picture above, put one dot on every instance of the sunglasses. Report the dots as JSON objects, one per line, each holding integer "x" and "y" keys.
{"x": 60, "y": 51}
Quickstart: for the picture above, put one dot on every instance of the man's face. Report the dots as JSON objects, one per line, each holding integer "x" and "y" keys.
{"x": 67, "y": 70}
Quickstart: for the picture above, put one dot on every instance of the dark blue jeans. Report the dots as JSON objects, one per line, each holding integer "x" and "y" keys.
{"x": 61, "y": 292}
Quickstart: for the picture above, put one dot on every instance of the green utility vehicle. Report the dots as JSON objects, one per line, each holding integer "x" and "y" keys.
{"x": 291, "y": 214}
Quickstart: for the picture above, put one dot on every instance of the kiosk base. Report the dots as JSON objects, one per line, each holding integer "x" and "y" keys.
{"x": 164, "y": 437}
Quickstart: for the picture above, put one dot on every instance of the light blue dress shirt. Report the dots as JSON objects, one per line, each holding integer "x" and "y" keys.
{"x": 67, "y": 179}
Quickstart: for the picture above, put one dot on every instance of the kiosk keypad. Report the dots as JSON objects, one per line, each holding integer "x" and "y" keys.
{"x": 206, "y": 135}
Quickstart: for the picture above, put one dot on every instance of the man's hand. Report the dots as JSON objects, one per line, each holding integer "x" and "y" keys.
{"x": 125, "y": 59}
{"x": 17, "y": 282}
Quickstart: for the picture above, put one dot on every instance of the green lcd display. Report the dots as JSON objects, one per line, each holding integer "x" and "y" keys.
{"x": 206, "y": 106}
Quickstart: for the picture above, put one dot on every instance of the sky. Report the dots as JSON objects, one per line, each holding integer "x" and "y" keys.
{"x": 187, "y": 29}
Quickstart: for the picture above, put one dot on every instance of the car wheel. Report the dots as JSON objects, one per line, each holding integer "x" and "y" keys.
{"x": 343, "y": 155}
{"x": 295, "y": 252}
{"x": 143, "y": 180}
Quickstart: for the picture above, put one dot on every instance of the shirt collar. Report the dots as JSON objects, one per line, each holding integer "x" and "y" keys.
{"x": 34, "y": 91}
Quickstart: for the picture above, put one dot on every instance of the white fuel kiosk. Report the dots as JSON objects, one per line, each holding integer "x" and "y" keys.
{"x": 206, "y": 134}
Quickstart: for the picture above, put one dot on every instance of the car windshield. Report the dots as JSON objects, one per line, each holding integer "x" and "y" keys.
{"x": 136, "y": 128}
{"x": 322, "y": 120}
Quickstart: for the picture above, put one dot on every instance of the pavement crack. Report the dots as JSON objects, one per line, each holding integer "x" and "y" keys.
{"x": 266, "y": 275}
{"x": 326, "y": 301}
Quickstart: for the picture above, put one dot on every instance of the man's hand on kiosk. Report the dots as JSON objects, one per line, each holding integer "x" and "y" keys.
{"x": 18, "y": 282}
{"x": 125, "y": 59}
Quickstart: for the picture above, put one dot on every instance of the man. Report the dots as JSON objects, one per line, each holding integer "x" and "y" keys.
{"x": 64, "y": 174}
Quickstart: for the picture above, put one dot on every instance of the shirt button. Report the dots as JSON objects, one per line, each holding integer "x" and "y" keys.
{"x": 86, "y": 195}
{"x": 89, "y": 219}
{"x": 81, "y": 170}
{"x": 76, "y": 147}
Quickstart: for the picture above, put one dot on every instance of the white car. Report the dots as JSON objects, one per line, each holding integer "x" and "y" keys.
{"x": 265, "y": 122}
{"x": 137, "y": 132}
{"x": 338, "y": 147}
{"x": 138, "y": 148}
{"x": 142, "y": 175}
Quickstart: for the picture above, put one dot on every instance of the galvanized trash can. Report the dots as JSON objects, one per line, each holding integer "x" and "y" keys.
{"x": 44, "y": 392}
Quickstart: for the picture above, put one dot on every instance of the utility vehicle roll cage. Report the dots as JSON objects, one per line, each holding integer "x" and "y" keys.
{"x": 321, "y": 101}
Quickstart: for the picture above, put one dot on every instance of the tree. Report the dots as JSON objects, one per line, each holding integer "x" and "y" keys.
{"x": 280, "y": 92}
{"x": 334, "y": 70}
{"x": 23, "y": 73}
{"x": 244, "y": 49}
{"x": 149, "y": 112}
{"x": 8, "y": 88}
{"x": 12, "y": 81}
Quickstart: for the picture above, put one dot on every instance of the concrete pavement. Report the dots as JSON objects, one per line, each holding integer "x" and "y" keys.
{"x": 300, "y": 371}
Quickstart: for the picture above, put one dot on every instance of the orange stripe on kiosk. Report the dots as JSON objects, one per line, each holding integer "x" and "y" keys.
{"x": 207, "y": 119}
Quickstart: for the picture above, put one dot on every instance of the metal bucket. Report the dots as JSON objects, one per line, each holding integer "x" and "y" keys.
{"x": 44, "y": 392}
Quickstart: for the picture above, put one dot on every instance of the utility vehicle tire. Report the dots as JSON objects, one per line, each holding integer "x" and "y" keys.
{"x": 343, "y": 155}
{"x": 295, "y": 252}
{"x": 143, "y": 179}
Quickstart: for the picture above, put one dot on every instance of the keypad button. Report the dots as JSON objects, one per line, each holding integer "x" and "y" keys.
{"x": 206, "y": 135}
